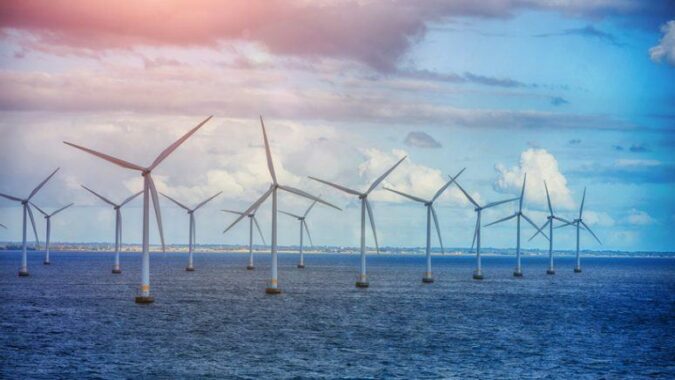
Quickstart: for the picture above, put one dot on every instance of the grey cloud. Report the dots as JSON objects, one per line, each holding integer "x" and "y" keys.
{"x": 558, "y": 101}
{"x": 588, "y": 31}
{"x": 420, "y": 139}
{"x": 574, "y": 142}
{"x": 639, "y": 148}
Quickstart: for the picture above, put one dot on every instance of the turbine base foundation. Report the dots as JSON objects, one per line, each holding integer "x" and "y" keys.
{"x": 117, "y": 271}
{"x": 46, "y": 263}
{"x": 301, "y": 266}
{"x": 250, "y": 267}
{"x": 23, "y": 273}
{"x": 144, "y": 300}
{"x": 273, "y": 291}
{"x": 577, "y": 270}
{"x": 427, "y": 280}
{"x": 518, "y": 274}
{"x": 477, "y": 275}
{"x": 189, "y": 269}
{"x": 550, "y": 271}
{"x": 362, "y": 284}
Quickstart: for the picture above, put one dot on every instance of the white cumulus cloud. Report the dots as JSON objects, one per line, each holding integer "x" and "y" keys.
{"x": 665, "y": 50}
{"x": 540, "y": 166}
{"x": 639, "y": 218}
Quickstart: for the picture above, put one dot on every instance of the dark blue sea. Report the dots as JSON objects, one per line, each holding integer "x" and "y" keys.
{"x": 75, "y": 319}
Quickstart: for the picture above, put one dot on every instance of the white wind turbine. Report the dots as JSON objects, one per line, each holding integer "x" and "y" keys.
{"x": 25, "y": 203}
{"x": 478, "y": 273}
{"x": 48, "y": 218}
{"x": 193, "y": 236}
{"x": 252, "y": 220}
{"x": 429, "y": 204}
{"x": 149, "y": 190}
{"x": 118, "y": 224}
{"x": 303, "y": 224}
{"x": 578, "y": 223}
{"x": 362, "y": 281}
{"x": 518, "y": 272}
{"x": 273, "y": 287}
{"x": 549, "y": 222}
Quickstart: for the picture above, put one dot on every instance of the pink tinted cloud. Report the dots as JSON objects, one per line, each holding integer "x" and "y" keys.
{"x": 377, "y": 33}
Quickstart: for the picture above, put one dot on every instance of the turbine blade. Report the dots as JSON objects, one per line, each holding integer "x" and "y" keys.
{"x": 207, "y": 201}
{"x": 540, "y": 230}
{"x": 475, "y": 234}
{"x": 3, "y": 226}
{"x": 104, "y": 199}
{"x": 268, "y": 153}
{"x": 589, "y": 230}
{"x": 59, "y": 210}
{"x": 562, "y": 219}
{"x": 158, "y": 213}
{"x": 11, "y": 197}
{"x": 501, "y": 220}
{"x": 564, "y": 225}
{"x": 583, "y": 199}
{"x": 176, "y": 202}
{"x": 307, "y": 195}
{"x": 383, "y": 176}
{"x": 467, "y": 195}
{"x": 257, "y": 226}
{"x": 291, "y": 215}
{"x": 233, "y": 212}
{"x": 500, "y": 202}
{"x": 372, "y": 225}
{"x": 339, "y": 187}
{"x": 308, "y": 234}
{"x": 166, "y": 152}
{"x": 117, "y": 161}
{"x": 254, "y": 206}
{"x": 548, "y": 199}
{"x": 442, "y": 189}
{"x": 438, "y": 228}
{"x": 412, "y": 197}
{"x": 310, "y": 207}
{"x": 32, "y": 222}
{"x": 522, "y": 194}
{"x": 39, "y": 209}
{"x": 36, "y": 189}
{"x": 130, "y": 198}
{"x": 534, "y": 225}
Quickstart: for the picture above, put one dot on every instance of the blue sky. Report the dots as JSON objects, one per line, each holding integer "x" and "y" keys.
{"x": 580, "y": 95}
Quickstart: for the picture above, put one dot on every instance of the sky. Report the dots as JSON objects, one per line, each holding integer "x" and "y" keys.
{"x": 579, "y": 94}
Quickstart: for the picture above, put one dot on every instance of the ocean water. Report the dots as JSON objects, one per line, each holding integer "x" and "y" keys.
{"x": 74, "y": 319}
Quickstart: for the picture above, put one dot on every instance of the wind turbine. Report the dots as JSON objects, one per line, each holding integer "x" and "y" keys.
{"x": 48, "y": 217}
{"x": 193, "y": 238}
{"x": 273, "y": 287}
{"x": 149, "y": 190}
{"x": 549, "y": 222}
{"x": 429, "y": 204}
{"x": 519, "y": 214}
{"x": 3, "y": 226}
{"x": 578, "y": 223}
{"x": 303, "y": 224}
{"x": 118, "y": 224}
{"x": 25, "y": 203}
{"x": 252, "y": 220}
{"x": 478, "y": 273}
{"x": 362, "y": 282}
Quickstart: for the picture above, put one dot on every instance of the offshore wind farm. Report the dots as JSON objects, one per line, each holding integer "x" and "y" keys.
{"x": 382, "y": 189}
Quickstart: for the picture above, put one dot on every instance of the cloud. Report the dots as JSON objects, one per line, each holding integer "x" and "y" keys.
{"x": 420, "y": 139}
{"x": 540, "y": 166}
{"x": 589, "y": 31}
{"x": 595, "y": 218}
{"x": 638, "y": 171}
{"x": 574, "y": 142}
{"x": 638, "y": 148}
{"x": 618, "y": 148}
{"x": 639, "y": 218}
{"x": 559, "y": 101}
{"x": 467, "y": 77}
{"x": 374, "y": 32}
{"x": 665, "y": 50}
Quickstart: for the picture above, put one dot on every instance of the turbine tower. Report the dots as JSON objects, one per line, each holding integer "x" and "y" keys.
{"x": 518, "y": 272}
{"x": 252, "y": 220}
{"x": 149, "y": 191}
{"x": 48, "y": 218}
{"x": 303, "y": 224}
{"x": 25, "y": 203}
{"x": 273, "y": 286}
{"x": 478, "y": 273}
{"x": 362, "y": 281}
{"x": 193, "y": 238}
{"x": 578, "y": 223}
{"x": 549, "y": 222}
{"x": 429, "y": 204}
{"x": 118, "y": 224}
